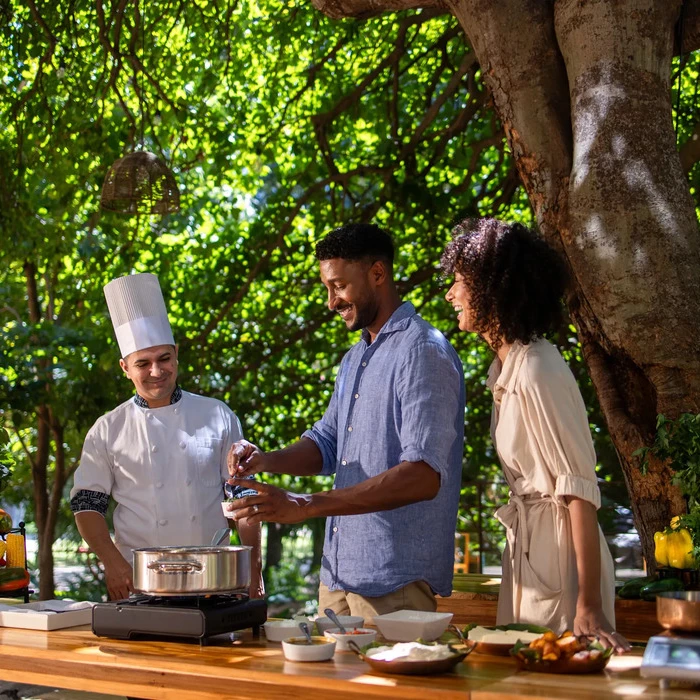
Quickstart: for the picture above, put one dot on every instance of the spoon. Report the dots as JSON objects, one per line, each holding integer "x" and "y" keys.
{"x": 305, "y": 629}
{"x": 221, "y": 536}
{"x": 334, "y": 619}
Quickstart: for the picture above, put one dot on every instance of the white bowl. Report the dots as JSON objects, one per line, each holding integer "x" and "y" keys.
{"x": 322, "y": 649}
{"x": 408, "y": 625}
{"x": 278, "y": 630}
{"x": 348, "y": 621}
{"x": 361, "y": 637}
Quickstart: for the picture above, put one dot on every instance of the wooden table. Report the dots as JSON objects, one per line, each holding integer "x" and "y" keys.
{"x": 250, "y": 669}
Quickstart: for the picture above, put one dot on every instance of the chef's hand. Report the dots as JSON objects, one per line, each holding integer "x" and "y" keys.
{"x": 257, "y": 586}
{"x": 271, "y": 505}
{"x": 119, "y": 577}
{"x": 591, "y": 622}
{"x": 245, "y": 459}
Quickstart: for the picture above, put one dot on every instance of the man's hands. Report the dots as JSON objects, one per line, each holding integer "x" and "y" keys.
{"x": 270, "y": 505}
{"x": 119, "y": 578}
{"x": 245, "y": 459}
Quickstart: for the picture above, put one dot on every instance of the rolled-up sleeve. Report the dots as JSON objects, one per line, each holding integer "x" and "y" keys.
{"x": 324, "y": 432}
{"x": 554, "y": 408}
{"x": 93, "y": 479}
{"x": 430, "y": 390}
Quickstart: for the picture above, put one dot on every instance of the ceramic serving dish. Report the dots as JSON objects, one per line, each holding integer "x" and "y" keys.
{"x": 348, "y": 621}
{"x": 361, "y": 636}
{"x": 276, "y": 628}
{"x": 298, "y": 649}
{"x": 407, "y": 625}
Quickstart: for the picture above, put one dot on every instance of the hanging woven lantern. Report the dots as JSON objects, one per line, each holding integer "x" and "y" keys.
{"x": 140, "y": 183}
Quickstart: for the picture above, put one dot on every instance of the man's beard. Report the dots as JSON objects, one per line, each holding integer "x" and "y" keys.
{"x": 364, "y": 315}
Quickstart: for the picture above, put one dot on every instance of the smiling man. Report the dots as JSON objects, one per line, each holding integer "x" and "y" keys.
{"x": 161, "y": 455}
{"x": 392, "y": 435}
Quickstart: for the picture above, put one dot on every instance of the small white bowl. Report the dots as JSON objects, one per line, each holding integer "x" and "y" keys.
{"x": 361, "y": 637}
{"x": 279, "y": 630}
{"x": 294, "y": 649}
{"x": 408, "y": 625}
{"x": 348, "y": 621}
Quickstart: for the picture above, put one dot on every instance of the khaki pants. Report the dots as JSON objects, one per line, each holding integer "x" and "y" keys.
{"x": 415, "y": 596}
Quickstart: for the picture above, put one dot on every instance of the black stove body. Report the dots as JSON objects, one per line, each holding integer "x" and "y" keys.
{"x": 183, "y": 617}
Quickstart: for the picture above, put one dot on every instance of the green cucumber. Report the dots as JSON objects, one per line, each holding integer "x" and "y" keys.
{"x": 632, "y": 590}
{"x": 650, "y": 591}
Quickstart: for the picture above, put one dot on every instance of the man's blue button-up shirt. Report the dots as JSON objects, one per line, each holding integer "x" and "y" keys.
{"x": 398, "y": 399}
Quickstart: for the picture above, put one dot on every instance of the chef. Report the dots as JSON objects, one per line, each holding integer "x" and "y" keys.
{"x": 161, "y": 455}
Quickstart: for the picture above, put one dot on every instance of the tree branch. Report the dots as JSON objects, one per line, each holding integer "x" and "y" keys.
{"x": 361, "y": 9}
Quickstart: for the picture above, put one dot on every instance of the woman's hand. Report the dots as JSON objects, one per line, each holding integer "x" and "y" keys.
{"x": 591, "y": 622}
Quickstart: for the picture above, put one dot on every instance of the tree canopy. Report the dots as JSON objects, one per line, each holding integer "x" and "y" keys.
{"x": 279, "y": 125}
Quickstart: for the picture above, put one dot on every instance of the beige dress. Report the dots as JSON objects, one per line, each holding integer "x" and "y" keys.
{"x": 540, "y": 429}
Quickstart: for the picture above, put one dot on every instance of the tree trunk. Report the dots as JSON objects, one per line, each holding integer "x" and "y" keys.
{"x": 45, "y": 520}
{"x": 616, "y": 203}
{"x": 582, "y": 89}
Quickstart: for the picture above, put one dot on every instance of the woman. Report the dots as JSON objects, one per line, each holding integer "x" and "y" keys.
{"x": 557, "y": 569}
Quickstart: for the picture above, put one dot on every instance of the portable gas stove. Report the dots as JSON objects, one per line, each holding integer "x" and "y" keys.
{"x": 184, "y": 617}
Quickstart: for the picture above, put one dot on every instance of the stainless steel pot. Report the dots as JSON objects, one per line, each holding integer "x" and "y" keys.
{"x": 171, "y": 571}
{"x": 679, "y": 610}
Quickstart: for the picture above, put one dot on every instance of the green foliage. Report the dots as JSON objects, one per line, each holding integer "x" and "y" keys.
{"x": 279, "y": 125}
{"x": 678, "y": 441}
{"x": 7, "y": 461}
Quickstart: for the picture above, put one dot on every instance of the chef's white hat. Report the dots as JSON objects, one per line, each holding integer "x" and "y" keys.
{"x": 138, "y": 313}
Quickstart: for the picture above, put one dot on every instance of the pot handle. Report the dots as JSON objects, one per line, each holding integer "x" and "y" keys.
{"x": 175, "y": 567}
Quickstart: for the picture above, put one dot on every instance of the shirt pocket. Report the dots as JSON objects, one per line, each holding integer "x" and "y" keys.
{"x": 209, "y": 461}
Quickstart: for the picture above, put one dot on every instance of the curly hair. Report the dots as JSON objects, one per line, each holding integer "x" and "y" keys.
{"x": 515, "y": 280}
{"x": 357, "y": 242}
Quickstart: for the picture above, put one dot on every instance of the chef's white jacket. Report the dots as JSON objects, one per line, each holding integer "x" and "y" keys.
{"x": 164, "y": 467}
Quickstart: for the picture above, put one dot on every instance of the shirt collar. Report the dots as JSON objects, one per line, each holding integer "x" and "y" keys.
{"x": 174, "y": 398}
{"x": 502, "y": 378}
{"x": 398, "y": 321}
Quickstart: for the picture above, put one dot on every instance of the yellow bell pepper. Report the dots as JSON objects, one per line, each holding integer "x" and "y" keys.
{"x": 661, "y": 548}
{"x": 680, "y": 549}
{"x": 674, "y": 548}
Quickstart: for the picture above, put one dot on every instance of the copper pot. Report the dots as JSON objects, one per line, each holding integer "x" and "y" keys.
{"x": 679, "y": 610}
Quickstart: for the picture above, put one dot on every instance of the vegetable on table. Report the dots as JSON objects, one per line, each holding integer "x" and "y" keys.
{"x": 650, "y": 591}
{"x": 674, "y": 547}
{"x": 13, "y": 579}
{"x": 15, "y": 550}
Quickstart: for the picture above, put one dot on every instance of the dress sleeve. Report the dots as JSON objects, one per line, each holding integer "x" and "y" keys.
{"x": 93, "y": 479}
{"x": 430, "y": 392}
{"x": 560, "y": 436}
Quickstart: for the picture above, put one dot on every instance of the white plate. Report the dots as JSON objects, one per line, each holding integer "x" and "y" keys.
{"x": 43, "y": 615}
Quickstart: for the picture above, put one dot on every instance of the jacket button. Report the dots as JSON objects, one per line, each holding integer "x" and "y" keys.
{"x": 159, "y": 485}
{"x": 193, "y": 518}
{"x": 188, "y": 482}
{"x": 162, "y": 522}
{"x": 350, "y": 429}
{"x": 154, "y": 448}
{"x": 183, "y": 445}
{"x": 335, "y": 529}
{"x": 176, "y": 411}
{"x": 344, "y": 462}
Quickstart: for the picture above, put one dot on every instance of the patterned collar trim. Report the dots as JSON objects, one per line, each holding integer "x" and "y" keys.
{"x": 142, "y": 403}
